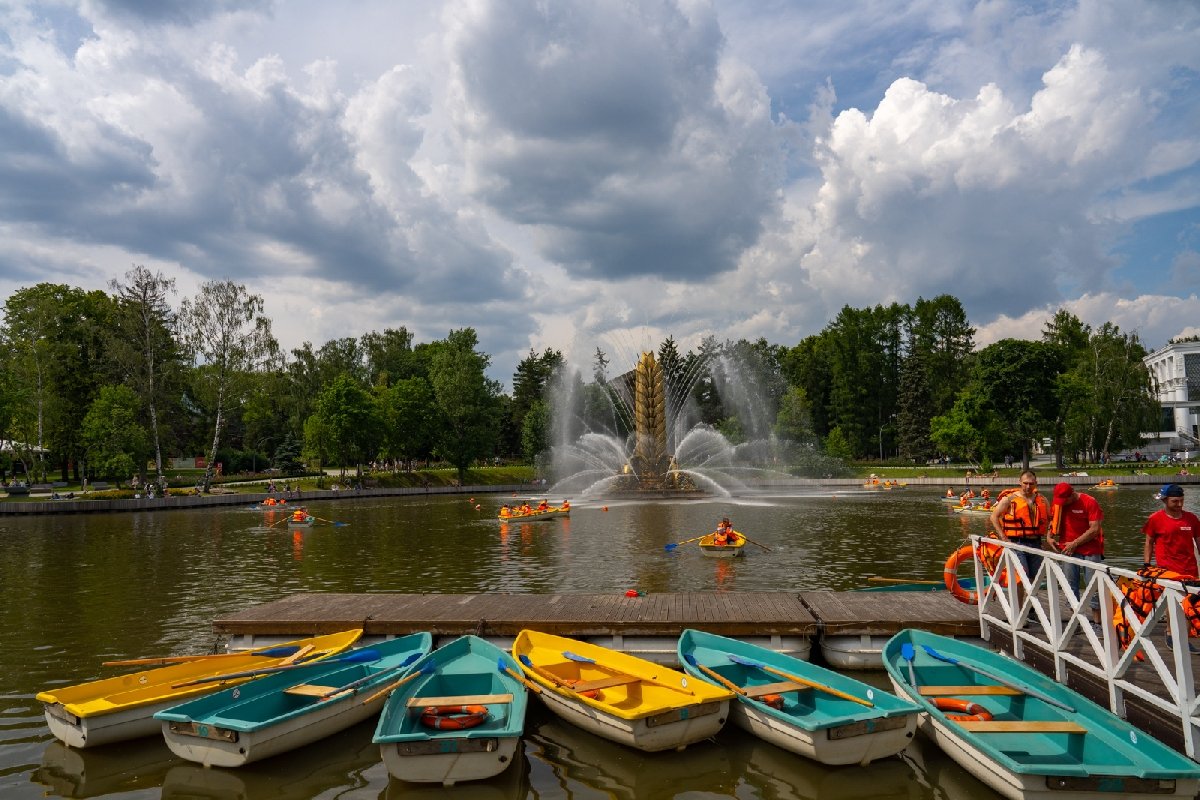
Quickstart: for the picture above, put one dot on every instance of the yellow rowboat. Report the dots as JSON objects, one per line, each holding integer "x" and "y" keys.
{"x": 123, "y": 707}
{"x": 549, "y": 513}
{"x": 711, "y": 549}
{"x": 623, "y": 698}
{"x": 977, "y": 509}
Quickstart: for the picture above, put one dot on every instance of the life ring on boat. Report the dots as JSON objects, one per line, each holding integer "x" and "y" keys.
{"x": 453, "y": 718}
{"x": 964, "y": 710}
{"x": 991, "y": 557}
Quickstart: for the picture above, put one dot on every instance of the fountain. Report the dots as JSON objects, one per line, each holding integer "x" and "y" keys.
{"x": 648, "y": 448}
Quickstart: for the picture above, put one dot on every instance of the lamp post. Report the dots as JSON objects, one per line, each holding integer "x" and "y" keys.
{"x": 882, "y": 425}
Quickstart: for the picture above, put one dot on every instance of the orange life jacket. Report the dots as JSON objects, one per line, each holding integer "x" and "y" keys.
{"x": 1024, "y": 518}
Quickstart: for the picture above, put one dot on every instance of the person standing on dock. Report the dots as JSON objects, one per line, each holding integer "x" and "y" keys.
{"x": 1076, "y": 531}
{"x": 1022, "y": 517}
{"x": 1172, "y": 534}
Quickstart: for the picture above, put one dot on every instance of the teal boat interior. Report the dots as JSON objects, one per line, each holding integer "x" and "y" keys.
{"x": 468, "y": 671}
{"x": 808, "y": 708}
{"x": 266, "y": 701}
{"x": 1081, "y": 739}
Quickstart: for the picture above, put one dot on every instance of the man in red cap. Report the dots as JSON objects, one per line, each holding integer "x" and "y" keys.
{"x": 1076, "y": 531}
{"x": 1172, "y": 534}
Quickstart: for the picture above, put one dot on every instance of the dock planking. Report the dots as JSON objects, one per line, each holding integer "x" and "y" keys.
{"x": 660, "y": 614}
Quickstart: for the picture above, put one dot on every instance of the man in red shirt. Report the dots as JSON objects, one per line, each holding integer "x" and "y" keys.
{"x": 1076, "y": 531}
{"x": 1172, "y": 534}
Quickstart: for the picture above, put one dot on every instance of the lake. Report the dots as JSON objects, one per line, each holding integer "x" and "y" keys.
{"x": 82, "y": 589}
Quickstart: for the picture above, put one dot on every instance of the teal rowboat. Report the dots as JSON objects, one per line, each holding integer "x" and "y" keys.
{"x": 1025, "y": 735}
{"x": 289, "y": 709}
{"x": 798, "y": 706}
{"x": 458, "y": 718}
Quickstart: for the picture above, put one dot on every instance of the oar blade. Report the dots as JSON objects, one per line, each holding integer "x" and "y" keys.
{"x": 576, "y": 657}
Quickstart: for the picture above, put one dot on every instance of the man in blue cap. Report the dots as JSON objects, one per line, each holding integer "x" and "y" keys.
{"x": 1172, "y": 535}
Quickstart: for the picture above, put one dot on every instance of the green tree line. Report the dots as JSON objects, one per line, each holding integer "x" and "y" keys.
{"x": 100, "y": 384}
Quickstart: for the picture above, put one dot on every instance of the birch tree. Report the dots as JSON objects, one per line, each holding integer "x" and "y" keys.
{"x": 229, "y": 336}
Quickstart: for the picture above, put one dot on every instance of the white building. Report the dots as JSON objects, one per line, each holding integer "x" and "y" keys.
{"x": 1175, "y": 371}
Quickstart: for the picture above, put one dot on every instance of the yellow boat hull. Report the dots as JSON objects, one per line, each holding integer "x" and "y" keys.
{"x": 123, "y": 707}
{"x": 623, "y": 698}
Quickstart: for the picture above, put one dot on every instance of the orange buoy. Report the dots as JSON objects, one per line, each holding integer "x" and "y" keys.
{"x": 453, "y": 718}
{"x": 964, "y": 709}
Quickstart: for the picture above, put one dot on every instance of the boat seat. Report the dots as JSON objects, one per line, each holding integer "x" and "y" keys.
{"x": 604, "y": 683}
{"x": 970, "y": 689}
{"x": 311, "y": 690}
{"x": 1022, "y": 726}
{"x": 756, "y": 692}
{"x": 459, "y": 700}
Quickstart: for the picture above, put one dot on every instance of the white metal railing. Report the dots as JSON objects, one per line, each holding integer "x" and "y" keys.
{"x": 1060, "y": 618}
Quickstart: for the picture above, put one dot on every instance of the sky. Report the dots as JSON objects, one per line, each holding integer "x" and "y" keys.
{"x": 584, "y": 174}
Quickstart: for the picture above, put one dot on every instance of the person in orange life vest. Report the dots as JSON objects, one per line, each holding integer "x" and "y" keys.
{"x": 566, "y": 505}
{"x": 1022, "y": 517}
{"x": 1172, "y": 534}
{"x": 543, "y": 506}
{"x": 525, "y": 508}
{"x": 299, "y": 515}
{"x": 1076, "y": 531}
{"x": 949, "y": 492}
{"x": 505, "y": 511}
{"x": 725, "y": 533}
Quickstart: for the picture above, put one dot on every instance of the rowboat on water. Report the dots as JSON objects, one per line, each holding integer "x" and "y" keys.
{"x": 1025, "y": 735}
{"x": 123, "y": 707}
{"x": 975, "y": 509}
{"x": 283, "y": 711}
{"x": 809, "y": 710}
{"x": 621, "y": 697}
{"x": 550, "y": 513}
{"x": 307, "y": 521}
{"x": 458, "y": 715}
{"x": 731, "y": 549}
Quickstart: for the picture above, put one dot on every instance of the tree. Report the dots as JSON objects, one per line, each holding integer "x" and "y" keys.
{"x": 143, "y": 347}
{"x": 914, "y": 410}
{"x": 531, "y": 384}
{"x": 411, "y": 419}
{"x": 794, "y": 421}
{"x": 224, "y": 328}
{"x": 347, "y": 420}
{"x": 115, "y": 443}
{"x": 535, "y": 431}
{"x": 466, "y": 398}
{"x": 1015, "y": 379}
{"x": 389, "y": 356}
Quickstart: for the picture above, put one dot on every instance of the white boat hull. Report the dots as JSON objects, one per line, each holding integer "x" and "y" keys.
{"x": 476, "y": 759}
{"x": 848, "y": 744}
{"x": 100, "y": 729}
{"x": 1020, "y": 786}
{"x": 196, "y": 742}
{"x": 650, "y": 734}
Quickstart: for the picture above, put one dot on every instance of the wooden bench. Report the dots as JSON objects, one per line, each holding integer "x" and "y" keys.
{"x": 755, "y": 692}
{"x": 1021, "y": 726}
{"x": 604, "y": 683}
{"x": 458, "y": 700}
{"x": 942, "y": 691}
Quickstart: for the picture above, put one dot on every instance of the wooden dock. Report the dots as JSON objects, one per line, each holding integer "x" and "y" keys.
{"x": 499, "y": 615}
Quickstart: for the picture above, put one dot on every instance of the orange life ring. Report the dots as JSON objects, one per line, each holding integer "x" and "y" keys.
{"x": 950, "y": 575}
{"x": 453, "y": 718}
{"x": 966, "y": 710}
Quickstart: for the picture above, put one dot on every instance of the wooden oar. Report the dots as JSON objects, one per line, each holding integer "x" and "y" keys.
{"x": 425, "y": 670}
{"x": 278, "y": 521}
{"x": 528, "y": 684}
{"x": 547, "y": 674}
{"x": 270, "y": 652}
{"x": 881, "y": 579}
{"x": 685, "y": 541}
{"x": 353, "y": 686}
{"x": 354, "y": 657}
{"x": 797, "y": 679}
{"x": 331, "y": 522}
{"x": 585, "y": 660}
{"x": 1045, "y": 698}
{"x": 716, "y": 676}
{"x": 751, "y": 541}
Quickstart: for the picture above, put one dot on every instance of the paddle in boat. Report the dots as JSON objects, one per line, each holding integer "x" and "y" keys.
{"x": 733, "y": 547}
{"x": 809, "y": 710}
{"x": 121, "y": 708}
{"x": 288, "y": 709}
{"x": 1025, "y": 735}
{"x": 621, "y": 697}
{"x": 457, "y": 715}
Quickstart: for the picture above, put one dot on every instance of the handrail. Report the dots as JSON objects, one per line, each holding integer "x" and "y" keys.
{"x": 1060, "y": 618}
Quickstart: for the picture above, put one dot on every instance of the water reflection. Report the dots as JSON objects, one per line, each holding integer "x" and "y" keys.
{"x": 101, "y": 771}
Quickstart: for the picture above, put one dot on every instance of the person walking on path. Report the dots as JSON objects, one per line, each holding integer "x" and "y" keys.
{"x": 1076, "y": 530}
